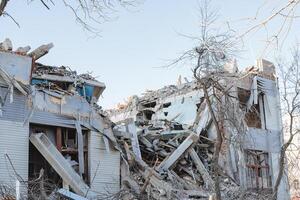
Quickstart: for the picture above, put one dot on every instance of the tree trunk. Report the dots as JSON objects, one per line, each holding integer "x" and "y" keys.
{"x": 218, "y": 145}
{"x": 282, "y": 158}
{"x": 3, "y": 4}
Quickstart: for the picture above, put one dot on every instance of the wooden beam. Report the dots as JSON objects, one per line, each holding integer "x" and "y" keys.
{"x": 58, "y": 139}
{"x": 174, "y": 157}
{"x": 201, "y": 168}
{"x": 127, "y": 180}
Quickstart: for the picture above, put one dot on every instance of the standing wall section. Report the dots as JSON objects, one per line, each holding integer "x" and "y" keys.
{"x": 104, "y": 166}
{"x": 14, "y": 142}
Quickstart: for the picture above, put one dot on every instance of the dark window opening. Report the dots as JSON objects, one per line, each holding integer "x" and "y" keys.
{"x": 243, "y": 96}
{"x": 166, "y": 105}
{"x": 176, "y": 126}
{"x": 148, "y": 114}
{"x": 253, "y": 115}
{"x": 166, "y": 113}
{"x": 149, "y": 105}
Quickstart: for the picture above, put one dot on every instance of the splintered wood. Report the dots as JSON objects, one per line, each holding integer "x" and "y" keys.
{"x": 163, "y": 160}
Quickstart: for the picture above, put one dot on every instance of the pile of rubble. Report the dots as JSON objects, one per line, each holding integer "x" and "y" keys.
{"x": 156, "y": 163}
{"x": 167, "y": 142}
{"x": 157, "y": 143}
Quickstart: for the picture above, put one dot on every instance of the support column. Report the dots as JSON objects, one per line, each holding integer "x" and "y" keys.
{"x": 58, "y": 139}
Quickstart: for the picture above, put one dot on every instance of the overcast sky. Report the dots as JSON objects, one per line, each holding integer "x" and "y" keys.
{"x": 129, "y": 55}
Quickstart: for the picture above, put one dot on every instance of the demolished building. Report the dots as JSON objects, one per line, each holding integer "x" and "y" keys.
{"x": 169, "y": 134}
{"x": 52, "y": 129}
{"x": 57, "y": 139}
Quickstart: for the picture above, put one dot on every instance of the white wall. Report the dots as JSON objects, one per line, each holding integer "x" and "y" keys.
{"x": 16, "y": 65}
{"x": 15, "y": 143}
{"x": 183, "y": 107}
{"x": 104, "y": 166}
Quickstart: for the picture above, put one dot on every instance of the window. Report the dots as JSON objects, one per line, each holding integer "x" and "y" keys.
{"x": 255, "y": 116}
{"x": 258, "y": 170}
{"x": 252, "y": 117}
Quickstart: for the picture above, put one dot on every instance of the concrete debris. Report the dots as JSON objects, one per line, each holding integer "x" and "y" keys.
{"x": 23, "y": 50}
{"x": 41, "y": 51}
{"x": 176, "y": 139}
{"x": 6, "y": 45}
{"x": 175, "y": 162}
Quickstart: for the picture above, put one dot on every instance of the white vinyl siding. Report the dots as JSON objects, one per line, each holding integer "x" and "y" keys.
{"x": 14, "y": 143}
{"x": 104, "y": 167}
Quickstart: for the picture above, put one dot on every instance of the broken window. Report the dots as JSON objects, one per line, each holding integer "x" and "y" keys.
{"x": 252, "y": 117}
{"x": 255, "y": 116}
{"x": 65, "y": 140}
{"x": 258, "y": 169}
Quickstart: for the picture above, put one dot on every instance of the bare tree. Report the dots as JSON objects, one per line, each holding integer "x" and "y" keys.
{"x": 290, "y": 93}
{"x": 3, "y": 4}
{"x": 213, "y": 50}
{"x": 88, "y": 13}
{"x": 276, "y": 24}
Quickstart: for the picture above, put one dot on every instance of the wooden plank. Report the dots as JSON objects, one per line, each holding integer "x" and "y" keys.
{"x": 129, "y": 157}
{"x": 203, "y": 121}
{"x": 127, "y": 180}
{"x": 164, "y": 188}
{"x": 146, "y": 142}
{"x": 174, "y": 157}
{"x": 201, "y": 168}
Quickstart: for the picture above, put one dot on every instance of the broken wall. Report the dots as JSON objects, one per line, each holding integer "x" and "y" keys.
{"x": 182, "y": 108}
{"x": 263, "y": 135}
{"x": 17, "y": 66}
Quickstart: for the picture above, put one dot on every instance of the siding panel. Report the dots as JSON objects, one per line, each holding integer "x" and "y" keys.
{"x": 51, "y": 119}
{"x": 16, "y": 110}
{"x": 15, "y": 144}
{"x": 104, "y": 167}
